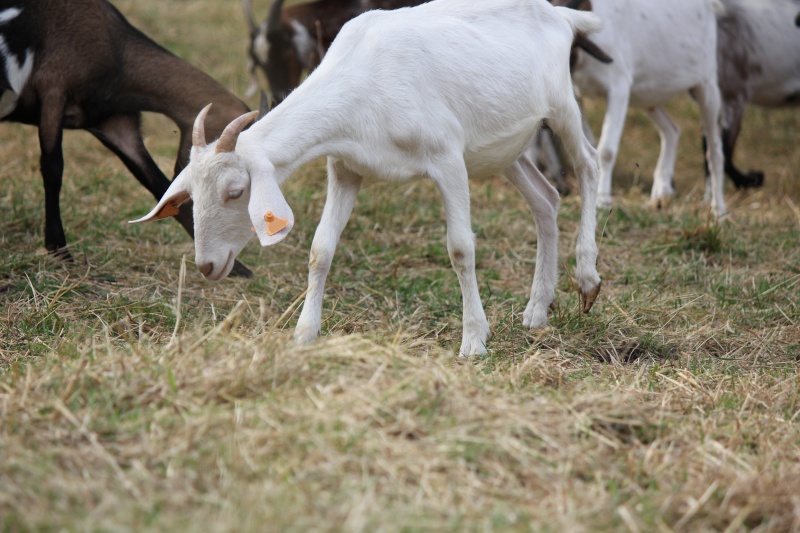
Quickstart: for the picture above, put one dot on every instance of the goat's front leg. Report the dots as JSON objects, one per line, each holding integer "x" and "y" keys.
{"x": 543, "y": 201}
{"x": 343, "y": 186}
{"x": 566, "y": 124}
{"x": 52, "y": 168}
{"x": 461, "y": 248}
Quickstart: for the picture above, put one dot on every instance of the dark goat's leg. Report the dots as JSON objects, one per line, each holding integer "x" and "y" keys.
{"x": 734, "y": 111}
{"x": 121, "y": 135}
{"x": 753, "y": 179}
{"x": 52, "y": 169}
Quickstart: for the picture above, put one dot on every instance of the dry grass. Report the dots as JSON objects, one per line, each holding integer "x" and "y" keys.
{"x": 133, "y": 397}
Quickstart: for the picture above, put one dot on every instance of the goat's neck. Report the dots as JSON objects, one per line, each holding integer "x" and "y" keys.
{"x": 296, "y": 132}
{"x": 167, "y": 85}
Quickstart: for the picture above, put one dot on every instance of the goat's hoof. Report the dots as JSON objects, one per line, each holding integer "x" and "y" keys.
{"x": 752, "y": 180}
{"x": 535, "y": 316}
{"x": 588, "y": 298}
{"x": 472, "y": 350}
{"x": 604, "y": 202}
{"x": 61, "y": 253}
{"x": 475, "y": 344}
{"x": 661, "y": 201}
{"x": 240, "y": 271}
{"x": 305, "y": 335}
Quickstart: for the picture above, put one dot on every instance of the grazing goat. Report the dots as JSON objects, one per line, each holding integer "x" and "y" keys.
{"x": 660, "y": 49}
{"x": 81, "y": 65}
{"x": 294, "y": 39}
{"x": 759, "y": 63}
{"x": 448, "y": 90}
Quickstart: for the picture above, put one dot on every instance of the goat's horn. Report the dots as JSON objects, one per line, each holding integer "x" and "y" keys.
{"x": 274, "y": 18}
{"x": 248, "y": 15}
{"x": 227, "y": 141}
{"x": 199, "y": 130}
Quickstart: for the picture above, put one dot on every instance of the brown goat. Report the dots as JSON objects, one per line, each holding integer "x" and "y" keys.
{"x": 93, "y": 70}
{"x": 293, "y": 40}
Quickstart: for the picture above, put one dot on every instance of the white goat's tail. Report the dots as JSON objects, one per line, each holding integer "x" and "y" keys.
{"x": 583, "y": 22}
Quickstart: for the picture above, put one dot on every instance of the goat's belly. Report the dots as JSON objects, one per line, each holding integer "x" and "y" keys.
{"x": 777, "y": 95}
{"x": 493, "y": 154}
{"x": 485, "y": 163}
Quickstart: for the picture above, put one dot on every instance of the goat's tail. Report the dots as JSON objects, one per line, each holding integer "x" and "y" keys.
{"x": 582, "y": 22}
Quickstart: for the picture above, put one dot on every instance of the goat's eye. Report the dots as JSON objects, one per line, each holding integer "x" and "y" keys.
{"x": 233, "y": 195}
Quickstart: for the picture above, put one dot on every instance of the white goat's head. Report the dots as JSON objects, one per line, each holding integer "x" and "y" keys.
{"x": 233, "y": 196}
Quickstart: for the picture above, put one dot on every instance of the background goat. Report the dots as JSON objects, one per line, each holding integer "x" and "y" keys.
{"x": 684, "y": 34}
{"x": 448, "y": 90}
{"x": 81, "y": 65}
{"x": 759, "y": 63}
{"x": 293, "y": 40}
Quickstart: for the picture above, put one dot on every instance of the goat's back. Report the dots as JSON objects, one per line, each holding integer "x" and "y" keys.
{"x": 482, "y": 74}
{"x": 663, "y": 48}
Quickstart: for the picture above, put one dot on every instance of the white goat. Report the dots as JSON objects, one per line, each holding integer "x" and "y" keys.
{"x": 660, "y": 49}
{"x": 448, "y": 90}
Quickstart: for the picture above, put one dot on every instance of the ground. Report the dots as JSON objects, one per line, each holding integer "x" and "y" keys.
{"x": 136, "y": 396}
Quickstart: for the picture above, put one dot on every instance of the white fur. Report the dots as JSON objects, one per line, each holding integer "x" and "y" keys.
{"x": 660, "y": 49}
{"x": 17, "y": 73}
{"x": 261, "y": 44}
{"x": 772, "y": 49}
{"x": 449, "y": 90}
{"x": 9, "y": 14}
{"x": 303, "y": 42}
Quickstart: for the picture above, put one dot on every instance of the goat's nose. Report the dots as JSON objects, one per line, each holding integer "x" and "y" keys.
{"x": 206, "y": 268}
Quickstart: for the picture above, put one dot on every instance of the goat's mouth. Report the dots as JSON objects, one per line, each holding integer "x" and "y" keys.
{"x": 225, "y": 270}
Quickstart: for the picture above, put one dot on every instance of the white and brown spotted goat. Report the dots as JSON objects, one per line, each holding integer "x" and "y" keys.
{"x": 759, "y": 64}
{"x": 449, "y": 90}
{"x": 660, "y": 50}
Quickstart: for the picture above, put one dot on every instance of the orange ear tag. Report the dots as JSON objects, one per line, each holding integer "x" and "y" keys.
{"x": 170, "y": 209}
{"x": 274, "y": 224}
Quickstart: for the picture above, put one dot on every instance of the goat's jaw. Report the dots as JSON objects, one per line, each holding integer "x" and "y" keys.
{"x": 218, "y": 274}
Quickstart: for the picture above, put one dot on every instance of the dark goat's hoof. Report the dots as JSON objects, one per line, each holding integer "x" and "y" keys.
{"x": 62, "y": 254}
{"x": 240, "y": 271}
{"x": 752, "y": 180}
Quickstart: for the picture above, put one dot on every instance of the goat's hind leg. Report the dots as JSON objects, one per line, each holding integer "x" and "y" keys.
{"x": 543, "y": 201}
{"x": 343, "y": 186}
{"x": 708, "y": 97}
{"x": 566, "y": 124}
{"x": 663, "y": 178}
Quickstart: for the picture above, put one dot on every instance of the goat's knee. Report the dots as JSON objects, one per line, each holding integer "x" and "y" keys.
{"x": 462, "y": 253}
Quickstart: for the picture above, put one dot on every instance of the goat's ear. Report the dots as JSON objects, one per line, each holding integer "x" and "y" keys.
{"x": 270, "y": 215}
{"x": 176, "y": 195}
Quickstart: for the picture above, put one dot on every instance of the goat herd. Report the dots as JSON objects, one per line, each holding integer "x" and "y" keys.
{"x": 399, "y": 89}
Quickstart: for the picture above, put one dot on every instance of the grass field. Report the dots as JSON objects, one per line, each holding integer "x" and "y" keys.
{"x": 135, "y": 396}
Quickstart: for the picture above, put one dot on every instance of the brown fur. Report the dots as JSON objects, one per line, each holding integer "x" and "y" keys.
{"x": 95, "y": 71}
{"x": 322, "y": 19}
